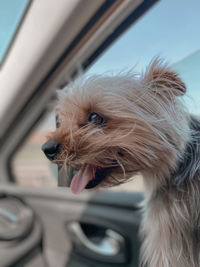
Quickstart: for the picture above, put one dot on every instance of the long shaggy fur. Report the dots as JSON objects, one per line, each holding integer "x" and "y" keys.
{"x": 173, "y": 211}
{"x": 147, "y": 130}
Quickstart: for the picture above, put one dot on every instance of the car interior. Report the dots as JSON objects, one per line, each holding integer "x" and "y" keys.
{"x": 53, "y": 42}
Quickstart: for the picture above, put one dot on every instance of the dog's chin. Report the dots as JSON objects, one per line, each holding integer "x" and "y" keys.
{"x": 89, "y": 176}
{"x": 107, "y": 177}
{"x": 100, "y": 176}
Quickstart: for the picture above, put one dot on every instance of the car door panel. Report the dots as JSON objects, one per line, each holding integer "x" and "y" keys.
{"x": 93, "y": 229}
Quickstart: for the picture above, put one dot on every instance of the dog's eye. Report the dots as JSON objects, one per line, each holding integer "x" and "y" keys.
{"x": 96, "y": 118}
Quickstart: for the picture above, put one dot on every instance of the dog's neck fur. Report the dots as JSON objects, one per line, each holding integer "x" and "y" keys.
{"x": 171, "y": 218}
{"x": 188, "y": 166}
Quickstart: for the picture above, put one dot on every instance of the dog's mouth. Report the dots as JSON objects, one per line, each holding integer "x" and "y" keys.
{"x": 89, "y": 176}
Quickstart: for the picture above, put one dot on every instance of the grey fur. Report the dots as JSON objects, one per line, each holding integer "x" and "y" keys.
{"x": 171, "y": 223}
{"x": 189, "y": 166}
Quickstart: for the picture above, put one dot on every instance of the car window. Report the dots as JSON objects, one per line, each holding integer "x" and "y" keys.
{"x": 168, "y": 30}
{"x": 30, "y": 166}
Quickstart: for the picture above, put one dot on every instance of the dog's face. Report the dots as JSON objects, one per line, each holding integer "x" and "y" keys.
{"x": 110, "y": 128}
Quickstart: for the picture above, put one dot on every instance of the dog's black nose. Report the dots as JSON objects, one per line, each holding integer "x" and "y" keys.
{"x": 51, "y": 149}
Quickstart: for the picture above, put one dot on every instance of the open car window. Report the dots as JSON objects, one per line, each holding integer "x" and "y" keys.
{"x": 155, "y": 34}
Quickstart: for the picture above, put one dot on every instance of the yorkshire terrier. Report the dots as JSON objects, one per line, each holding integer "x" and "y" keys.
{"x": 110, "y": 128}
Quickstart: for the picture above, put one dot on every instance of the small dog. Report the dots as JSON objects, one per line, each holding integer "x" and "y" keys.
{"x": 111, "y": 128}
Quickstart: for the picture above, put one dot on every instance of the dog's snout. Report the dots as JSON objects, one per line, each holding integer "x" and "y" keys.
{"x": 51, "y": 149}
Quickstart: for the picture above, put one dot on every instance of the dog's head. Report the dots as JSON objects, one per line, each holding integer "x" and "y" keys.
{"x": 110, "y": 128}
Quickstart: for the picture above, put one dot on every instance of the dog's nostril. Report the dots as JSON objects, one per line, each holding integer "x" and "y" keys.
{"x": 51, "y": 149}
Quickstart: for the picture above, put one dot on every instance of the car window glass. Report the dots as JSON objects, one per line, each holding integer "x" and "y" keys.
{"x": 30, "y": 166}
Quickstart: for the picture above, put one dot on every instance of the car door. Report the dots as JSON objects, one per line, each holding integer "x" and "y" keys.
{"x": 94, "y": 229}
{"x": 52, "y": 227}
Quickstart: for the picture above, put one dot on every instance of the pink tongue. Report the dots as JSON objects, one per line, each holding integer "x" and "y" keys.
{"x": 82, "y": 178}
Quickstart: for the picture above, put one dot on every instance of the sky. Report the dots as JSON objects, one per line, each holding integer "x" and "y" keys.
{"x": 169, "y": 30}
{"x": 11, "y": 12}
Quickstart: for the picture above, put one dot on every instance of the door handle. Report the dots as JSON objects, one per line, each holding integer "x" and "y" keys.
{"x": 110, "y": 244}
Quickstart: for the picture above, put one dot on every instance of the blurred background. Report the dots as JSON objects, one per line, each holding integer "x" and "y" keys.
{"x": 169, "y": 30}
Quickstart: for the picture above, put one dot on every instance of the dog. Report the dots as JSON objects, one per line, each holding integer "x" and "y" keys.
{"x": 110, "y": 128}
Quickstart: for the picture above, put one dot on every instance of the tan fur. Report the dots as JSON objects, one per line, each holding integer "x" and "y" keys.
{"x": 147, "y": 131}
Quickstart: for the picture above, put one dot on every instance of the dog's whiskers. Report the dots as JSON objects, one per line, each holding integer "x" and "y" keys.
{"x": 121, "y": 166}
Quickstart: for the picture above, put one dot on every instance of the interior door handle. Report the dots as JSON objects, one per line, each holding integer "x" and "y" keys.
{"x": 109, "y": 245}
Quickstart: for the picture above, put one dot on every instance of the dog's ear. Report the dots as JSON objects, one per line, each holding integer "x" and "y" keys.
{"x": 160, "y": 78}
